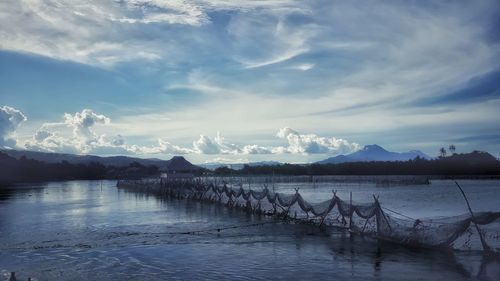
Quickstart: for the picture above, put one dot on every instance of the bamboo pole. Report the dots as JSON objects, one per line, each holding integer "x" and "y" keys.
{"x": 485, "y": 246}
{"x": 382, "y": 212}
{"x": 350, "y": 210}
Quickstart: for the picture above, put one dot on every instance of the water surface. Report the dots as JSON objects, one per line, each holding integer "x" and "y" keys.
{"x": 91, "y": 230}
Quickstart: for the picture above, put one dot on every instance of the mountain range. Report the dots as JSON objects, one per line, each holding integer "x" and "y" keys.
{"x": 368, "y": 153}
{"x": 117, "y": 161}
{"x": 374, "y": 153}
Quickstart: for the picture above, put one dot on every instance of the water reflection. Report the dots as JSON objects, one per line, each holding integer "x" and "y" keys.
{"x": 80, "y": 231}
{"x": 5, "y": 193}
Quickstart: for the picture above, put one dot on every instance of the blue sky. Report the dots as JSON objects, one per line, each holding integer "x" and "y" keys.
{"x": 220, "y": 80}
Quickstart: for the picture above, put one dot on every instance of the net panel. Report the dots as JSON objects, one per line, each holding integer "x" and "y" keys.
{"x": 366, "y": 218}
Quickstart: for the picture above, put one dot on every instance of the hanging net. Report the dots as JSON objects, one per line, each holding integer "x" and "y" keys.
{"x": 458, "y": 232}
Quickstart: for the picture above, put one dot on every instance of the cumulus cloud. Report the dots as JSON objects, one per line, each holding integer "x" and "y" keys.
{"x": 163, "y": 147}
{"x": 82, "y": 123}
{"x": 219, "y": 145}
{"x": 76, "y": 134}
{"x": 206, "y": 145}
{"x": 82, "y": 138}
{"x": 47, "y": 141}
{"x": 10, "y": 119}
{"x": 297, "y": 144}
{"x": 42, "y": 135}
{"x": 118, "y": 140}
{"x": 255, "y": 149}
{"x": 312, "y": 144}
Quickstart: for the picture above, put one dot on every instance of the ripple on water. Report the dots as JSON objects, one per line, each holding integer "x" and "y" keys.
{"x": 75, "y": 231}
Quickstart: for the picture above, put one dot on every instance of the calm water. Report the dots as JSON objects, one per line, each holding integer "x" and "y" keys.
{"x": 90, "y": 230}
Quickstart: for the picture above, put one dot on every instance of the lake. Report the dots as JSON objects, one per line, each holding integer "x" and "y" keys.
{"x": 91, "y": 230}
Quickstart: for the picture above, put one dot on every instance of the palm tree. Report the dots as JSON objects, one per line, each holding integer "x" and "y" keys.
{"x": 452, "y": 149}
{"x": 442, "y": 151}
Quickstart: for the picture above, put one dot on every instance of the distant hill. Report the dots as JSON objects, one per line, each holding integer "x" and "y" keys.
{"x": 374, "y": 153}
{"x": 474, "y": 164}
{"x": 473, "y": 159}
{"x": 238, "y": 166}
{"x": 117, "y": 161}
{"x": 180, "y": 164}
{"x": 55, "y": 167}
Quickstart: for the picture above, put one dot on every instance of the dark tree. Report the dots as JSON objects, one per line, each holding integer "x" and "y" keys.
{"x": 442, "y": 152}
{"x": 452, "y": 149}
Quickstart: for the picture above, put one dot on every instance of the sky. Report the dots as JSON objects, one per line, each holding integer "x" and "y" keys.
{"x": 239, "y": 81}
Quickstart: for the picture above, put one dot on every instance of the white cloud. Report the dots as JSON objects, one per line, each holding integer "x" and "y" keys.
{"x": 161, "y": 11}
{"x": 297, "y": 144}
{"x": 286, "y": 55}
{"x": 163, "y": 147}
{"x": 304, "y": 66}
{"x": 222, "y": 160}
{"x": 82, "y": 138}
{"x": 52, "y": 142}
{"x": 371, "y": 62}
{"x": 105, "y": 33}
{"x": 312, "y": 144}
{"x": 206, "y": 145}
{"x": 82, "y": 123}
{"x": 118, "y": 140}
{"x": 10, "y": 119}
{"x": 42, "y": 135}
{"x": 277, "y": 40}
{"x": 255, "y": 149}
{"x": 219, "y": 145}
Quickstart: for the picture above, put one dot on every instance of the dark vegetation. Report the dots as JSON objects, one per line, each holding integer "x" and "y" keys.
{"x": 14, "y": 170}
{"x": 477, "y": 163}
{"x": 474, "y": 163}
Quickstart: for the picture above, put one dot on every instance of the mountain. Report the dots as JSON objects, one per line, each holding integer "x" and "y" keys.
{"x": 238, "y": 166}
{"x": 117, "y": 161}
{"x": 180, "y": 164}
{"x": 374, "y": 153}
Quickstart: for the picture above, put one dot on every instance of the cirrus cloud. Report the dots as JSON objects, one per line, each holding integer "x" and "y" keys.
{"x": 93, "y": 32}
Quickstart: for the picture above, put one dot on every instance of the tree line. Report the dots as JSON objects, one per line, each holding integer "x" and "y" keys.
{"x": 14, "y": 170}
{"x": 474, "y": 163}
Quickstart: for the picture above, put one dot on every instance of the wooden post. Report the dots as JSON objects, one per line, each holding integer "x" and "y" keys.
{"x": 350, "y": 210}
{"x": 364, "y": 226}
{"x": 383, "y": 215}
{"x": 273, "y": 179}
{"x": 485, "y": 246}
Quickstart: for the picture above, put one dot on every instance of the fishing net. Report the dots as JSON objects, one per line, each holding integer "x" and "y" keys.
{"x": 478, "y": 232}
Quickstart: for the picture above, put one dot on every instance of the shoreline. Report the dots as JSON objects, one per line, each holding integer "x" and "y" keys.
{"x": 265, "y": 178}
